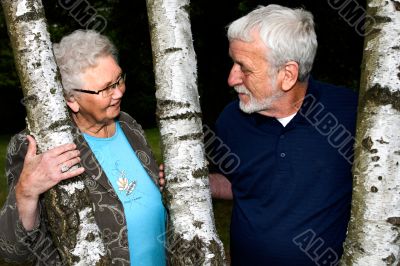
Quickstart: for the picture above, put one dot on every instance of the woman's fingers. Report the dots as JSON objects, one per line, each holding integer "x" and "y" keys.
{"x": 161, "y": 178}
{"x": 72, "y": 173}
{"x": 66, "y": 165}
{"x": 67, "y": 156}
{"x": 43, "y": 171}
{"x": 57, "y": 151}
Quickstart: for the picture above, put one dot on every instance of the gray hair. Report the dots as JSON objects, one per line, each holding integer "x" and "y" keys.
{"x": 288, "y": 33}
{"x": 78, "y": 51}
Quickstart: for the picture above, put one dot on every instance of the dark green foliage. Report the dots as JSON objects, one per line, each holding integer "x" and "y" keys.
{"x": 11, "y": 92}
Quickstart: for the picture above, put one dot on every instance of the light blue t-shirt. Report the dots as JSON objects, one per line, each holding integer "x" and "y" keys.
{"x": 141, "y": 198}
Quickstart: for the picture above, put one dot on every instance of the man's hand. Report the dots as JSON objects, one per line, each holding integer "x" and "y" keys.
{"x": 220, "y": 187}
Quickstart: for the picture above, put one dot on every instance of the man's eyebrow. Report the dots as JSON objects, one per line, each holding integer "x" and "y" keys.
{"x": 238, "y": 62}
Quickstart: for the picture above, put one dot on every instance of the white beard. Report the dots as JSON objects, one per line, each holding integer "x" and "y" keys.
{"x": 255, "y": 105}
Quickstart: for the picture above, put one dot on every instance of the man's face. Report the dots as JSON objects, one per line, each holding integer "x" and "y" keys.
{"x": 251, "y": 75}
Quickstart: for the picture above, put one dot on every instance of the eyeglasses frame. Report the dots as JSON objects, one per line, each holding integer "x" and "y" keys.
{"x": 111, "y": 86}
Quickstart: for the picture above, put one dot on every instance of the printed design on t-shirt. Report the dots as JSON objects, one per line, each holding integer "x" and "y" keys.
{"x": 126, "y": 185}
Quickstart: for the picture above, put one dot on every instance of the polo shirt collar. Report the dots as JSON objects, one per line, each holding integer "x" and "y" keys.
{"x": 260, "y": 119}
{"x": 311, "y": 97}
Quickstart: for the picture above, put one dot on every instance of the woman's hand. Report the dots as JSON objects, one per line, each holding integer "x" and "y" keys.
{"x": 161, "y": 177}
{"x": 41, "y": 172}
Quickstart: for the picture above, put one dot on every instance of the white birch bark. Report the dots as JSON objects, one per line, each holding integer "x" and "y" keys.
{"x": 373, "y": 234}
{"x": 69, "y": 210}
{"x": 192, "y": 237}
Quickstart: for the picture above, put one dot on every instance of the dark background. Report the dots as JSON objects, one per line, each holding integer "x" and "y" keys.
{"x": 338, "y": 58}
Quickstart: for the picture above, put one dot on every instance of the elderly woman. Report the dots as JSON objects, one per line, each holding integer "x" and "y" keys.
{"x": 112, "y": 149}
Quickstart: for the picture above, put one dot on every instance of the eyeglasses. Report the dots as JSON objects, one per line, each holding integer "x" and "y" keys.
{"x": 107, "y": 91}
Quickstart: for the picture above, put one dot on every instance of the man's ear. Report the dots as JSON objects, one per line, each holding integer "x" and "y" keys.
{"x": 290, "y": 75}
{"x": 72, "y": 103}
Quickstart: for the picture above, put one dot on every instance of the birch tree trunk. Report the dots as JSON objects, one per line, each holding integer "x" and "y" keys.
{"x": 192, "y": 237}
{"x": 70, "y": 214}
{"x": 373, "y": 235}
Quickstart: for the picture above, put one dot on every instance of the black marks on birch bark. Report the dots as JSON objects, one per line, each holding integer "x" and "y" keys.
{"x": 378, "y": 96}
{"x": 367, "y": 143}
{"x": 188, "y": 115}
{"x": 194, "y": 136}
{"x": 172, "y": 50}
{"x": 394, "y": 221}
{"x": 396, "y": 4}
{"x": 374, "y": 189}
{"x": 200, "y": 173}
{"x": 390, "y": 259}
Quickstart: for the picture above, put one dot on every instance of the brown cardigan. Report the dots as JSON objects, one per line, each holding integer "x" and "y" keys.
{"x": 18, "y": 245}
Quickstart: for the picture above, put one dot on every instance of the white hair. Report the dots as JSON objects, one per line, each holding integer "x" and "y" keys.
{"x": 78, "y": 51}
{"x": 288, "y": 34}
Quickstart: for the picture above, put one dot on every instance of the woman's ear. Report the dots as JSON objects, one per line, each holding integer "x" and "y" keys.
{"x": 72, "y": 103}
{"x": 291, "y": 73}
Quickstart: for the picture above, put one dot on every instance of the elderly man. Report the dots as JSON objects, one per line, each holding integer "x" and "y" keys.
{"x": 293, "y": 137}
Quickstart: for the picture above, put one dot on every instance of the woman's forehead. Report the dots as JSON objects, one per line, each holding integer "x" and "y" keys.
{"x": 104, "y": 73}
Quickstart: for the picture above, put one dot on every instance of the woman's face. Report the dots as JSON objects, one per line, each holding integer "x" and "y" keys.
{"x": 104, "y": 107}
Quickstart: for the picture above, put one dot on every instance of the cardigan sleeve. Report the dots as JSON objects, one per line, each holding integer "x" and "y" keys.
{"x": 17, "y": 244}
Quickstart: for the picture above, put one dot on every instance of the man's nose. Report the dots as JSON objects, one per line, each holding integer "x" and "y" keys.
{"x": 235, "y": 76}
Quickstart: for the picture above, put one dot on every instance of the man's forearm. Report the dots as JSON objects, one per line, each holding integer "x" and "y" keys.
{"x": 220, "y": 187}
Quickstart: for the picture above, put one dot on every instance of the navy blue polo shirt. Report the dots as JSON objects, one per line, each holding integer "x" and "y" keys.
{"x": 291, "y": 185}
